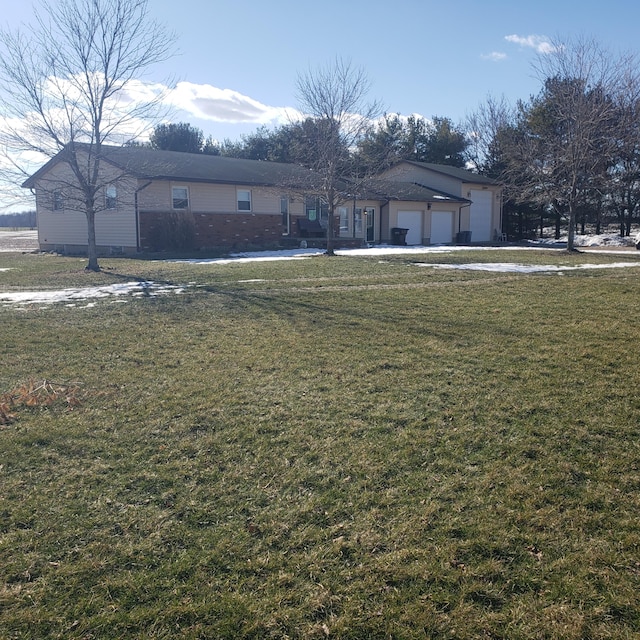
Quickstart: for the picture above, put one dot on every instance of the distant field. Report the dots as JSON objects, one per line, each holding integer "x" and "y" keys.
{"x": 12, "y": 239}
{"x": 324, "y": 448}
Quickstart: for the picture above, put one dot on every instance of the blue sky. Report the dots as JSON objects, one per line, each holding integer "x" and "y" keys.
{"x": 238, "y": 60}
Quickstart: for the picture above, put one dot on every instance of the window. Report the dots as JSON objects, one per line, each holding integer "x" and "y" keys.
{"x": 57, "y": 200}
{"x": 316, "y": 209}
{"x": 357, "y": 222}
{"x": 284, "y": 211}
{"x": 343, "y": 212}
{"x": 180, "y": 197}
{"x": 244, "y": 200}
{"x": 111, "y": 197}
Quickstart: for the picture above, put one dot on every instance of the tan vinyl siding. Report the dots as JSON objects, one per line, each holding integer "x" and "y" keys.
{"x": 114, "y": 227}
{"x": 210, "y": 198}
{"x": 62, "y": 228}
{"x": 156, "y": 195}
{"x": 437, "y": 181}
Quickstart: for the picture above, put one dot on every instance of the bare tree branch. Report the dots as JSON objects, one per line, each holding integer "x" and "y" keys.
{"x": 334, "y": 96}
{"x": 72, "y": 82}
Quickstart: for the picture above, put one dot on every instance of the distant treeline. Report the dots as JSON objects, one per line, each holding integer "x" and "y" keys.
{"x": 22, "y": 219}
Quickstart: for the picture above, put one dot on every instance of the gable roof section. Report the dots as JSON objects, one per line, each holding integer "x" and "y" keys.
{"x": 145, "y": 163}
{"x": 407, "y": 191}
{"x": 453, "y": 172}
{"x": 197, "y": 167}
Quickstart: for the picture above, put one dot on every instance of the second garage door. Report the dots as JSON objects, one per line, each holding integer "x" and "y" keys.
{"x": 441, "y": 227}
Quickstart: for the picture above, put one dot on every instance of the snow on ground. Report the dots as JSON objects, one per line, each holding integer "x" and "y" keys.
{"x": 24, "y": 240}
{"x": 508, "y": 267}
{"x": 118, "y": 292}
{"x": 149, "y": 289}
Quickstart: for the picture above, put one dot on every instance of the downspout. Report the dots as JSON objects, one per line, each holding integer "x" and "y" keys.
{"x": 460, "y": 216}
{"x": 353, "y": 216}
{"x": 380, "y": 219}
{"x": 35, "y": 198}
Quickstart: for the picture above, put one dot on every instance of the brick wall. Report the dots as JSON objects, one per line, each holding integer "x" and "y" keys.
{"x": 177, "y": 230}
{"x": 237, "y": 230}
{"x": 170, "y": 230}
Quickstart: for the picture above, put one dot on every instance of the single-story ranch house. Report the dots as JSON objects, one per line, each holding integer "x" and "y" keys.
{"x": 156, "y": 200}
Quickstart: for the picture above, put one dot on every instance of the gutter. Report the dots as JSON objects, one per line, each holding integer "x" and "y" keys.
{"x": 460, "y": 215}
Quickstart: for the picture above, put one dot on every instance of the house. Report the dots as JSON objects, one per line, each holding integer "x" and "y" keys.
{"x": 478, "y": 220}
{"x": 157, "y": 200}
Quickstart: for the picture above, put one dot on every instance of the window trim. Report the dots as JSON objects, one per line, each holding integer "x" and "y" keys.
{"x": 111, "y": 201}
{"x": 238, "y": 201}
{"x": 343, "y": 216}
{"x": 174, "y": 199}
{"x": 284, "y": 213}
{"x": 57, "y": 200}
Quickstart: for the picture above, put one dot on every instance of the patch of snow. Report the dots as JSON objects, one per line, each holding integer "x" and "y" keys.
{"x": 506, "y": 267}
{"x": 117, "y": 293}
{"x": 24, "y": 240}
{"x": 88, "y": 293}
{"x": 587, "y": 240}
{"x": 255, "y": 256}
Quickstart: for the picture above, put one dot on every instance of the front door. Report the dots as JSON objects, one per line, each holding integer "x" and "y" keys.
{"x": 371, "y": 229}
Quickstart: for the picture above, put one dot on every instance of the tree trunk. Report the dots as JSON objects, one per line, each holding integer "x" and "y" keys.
{"x": 330, "y": 234}
{"x": 92, "y": 251}
{"x": 541, "y": 225}
{"x": 572, "y": 229}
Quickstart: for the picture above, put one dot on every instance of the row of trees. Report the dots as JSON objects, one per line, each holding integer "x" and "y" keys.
{"x": 20, "y": 219}
{"x": 571, "y": 152}
{"x": 379, "y": 145}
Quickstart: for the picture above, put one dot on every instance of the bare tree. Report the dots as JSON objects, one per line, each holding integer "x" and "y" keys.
{"x": 335, "y": 97}
{"x": 483, "y": 128}
{"x": 622, "y": 195}
{"x": 559, "y": 149}
{"x": 72, "y": 84}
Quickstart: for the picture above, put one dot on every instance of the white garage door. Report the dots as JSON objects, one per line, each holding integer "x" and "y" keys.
{"x": 411, "y": 220}
{"x": 481, "y": 216}
{"x": 441, "y": 227}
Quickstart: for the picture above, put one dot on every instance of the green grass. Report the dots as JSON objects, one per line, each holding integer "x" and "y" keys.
{"x": 348, "y": 448}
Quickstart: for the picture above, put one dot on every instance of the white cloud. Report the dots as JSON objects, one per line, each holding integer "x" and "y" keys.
{"x": 540, "y": 44}
{"x": 494, "y": 56}
{"x": 207, "y": 102}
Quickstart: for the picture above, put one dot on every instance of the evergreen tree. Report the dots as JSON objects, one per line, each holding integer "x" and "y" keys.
{"x": 179, "y": 136}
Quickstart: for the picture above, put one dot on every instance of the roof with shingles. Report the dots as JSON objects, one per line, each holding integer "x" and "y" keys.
{"x": 406, "y": 191}
{"x": 454, "y": 172}
{"x": 146, "y": 163}
{"x": 155, "y": 164}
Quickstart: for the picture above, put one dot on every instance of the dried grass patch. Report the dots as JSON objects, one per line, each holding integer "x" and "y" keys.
{"x": 37, "y": 393}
